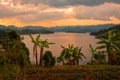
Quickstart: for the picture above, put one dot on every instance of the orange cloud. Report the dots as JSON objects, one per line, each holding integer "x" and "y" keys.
{"x": 62, "y": 22}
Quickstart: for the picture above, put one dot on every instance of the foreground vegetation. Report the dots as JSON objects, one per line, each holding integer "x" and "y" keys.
{"x": 15, "y": 63}
{"x": 87, "y": 72}
{"x": 63, "y": 72}
{"x": 103, "y": 33}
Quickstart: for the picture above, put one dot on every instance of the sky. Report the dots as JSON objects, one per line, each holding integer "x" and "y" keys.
{"x": 50, "y": 13}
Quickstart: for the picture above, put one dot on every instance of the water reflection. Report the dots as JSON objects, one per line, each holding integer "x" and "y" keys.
{"x": 77, "y": 39}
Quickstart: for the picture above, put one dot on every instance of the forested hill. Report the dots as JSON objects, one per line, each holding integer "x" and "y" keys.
{"x": 103, "y": 33}
{"x": 40, "y": 29}
{"x": 81, "y": 29}
{"x": 26, "y": 29}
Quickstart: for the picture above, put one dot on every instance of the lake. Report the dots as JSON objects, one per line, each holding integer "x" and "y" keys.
{"x": 63, "y": 39}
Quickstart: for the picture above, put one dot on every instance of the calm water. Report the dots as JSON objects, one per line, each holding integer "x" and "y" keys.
{"x": 77, "y": 39}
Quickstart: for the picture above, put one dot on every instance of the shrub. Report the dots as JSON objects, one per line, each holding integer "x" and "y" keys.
{"x": 48, "y": 59}
{"x": 11, "y": 72}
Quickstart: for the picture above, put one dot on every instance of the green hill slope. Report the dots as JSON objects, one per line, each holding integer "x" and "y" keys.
{"x": 103, "y": 33}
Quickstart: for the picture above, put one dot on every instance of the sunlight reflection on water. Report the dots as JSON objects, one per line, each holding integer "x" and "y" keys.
{"x": 77, "y": 39}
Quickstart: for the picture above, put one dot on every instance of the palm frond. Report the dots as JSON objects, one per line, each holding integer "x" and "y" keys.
{"x": 101, "y": 47}
{"x": 63, "y": 47}
{"x": 32, "y": 38}
{"x": 38, "y": 38}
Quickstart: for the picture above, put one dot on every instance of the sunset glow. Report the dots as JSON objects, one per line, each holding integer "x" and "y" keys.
{"x": 51, "y": 13}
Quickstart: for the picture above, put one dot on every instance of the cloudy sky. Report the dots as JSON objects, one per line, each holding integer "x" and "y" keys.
{"x": 51, "y": 13}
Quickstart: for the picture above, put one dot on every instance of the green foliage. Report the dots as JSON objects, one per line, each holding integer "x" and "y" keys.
{"x": 71, "y": 55}
{"x": 98, "y": 57}
{"x": 11, "y": 72}
{"x": 111, "y": 46}
{"x": 12, "y": 35}
{"x": 48, "y": 59}
{"x": 2, "y": 57}
{"x": 15, "y": 51}
{"x": 35, "y": 42}
{"x": 22, "y": 59}
{"x": 42, "y": 44}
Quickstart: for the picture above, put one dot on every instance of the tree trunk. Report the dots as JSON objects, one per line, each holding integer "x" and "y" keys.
{"x": 36, "y": 58}
{"x": 41, "y": 54}
{"x": 92, "y": 60}
{"x": 77, "y": 61}
{"x": 69, "y": 61}
{"x": 118, "y": 58}
{"x": 63, "y": 62}
{"x": 111, "y": 58}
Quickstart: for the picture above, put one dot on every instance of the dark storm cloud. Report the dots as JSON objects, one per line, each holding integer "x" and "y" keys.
{"x": 62, "y": 3}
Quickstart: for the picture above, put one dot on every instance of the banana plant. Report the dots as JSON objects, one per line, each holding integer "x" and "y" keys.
{"x": 78, "y": 55}
{"x": 117, "y": 43}
{"x": 35, "y": 42}
{"x": 43, "y": 44}
{"x": 71, "y": 55}
{"x": 93, "y": 52}
{"x": 67, "y": 53}
{"x": 109, "y": 45}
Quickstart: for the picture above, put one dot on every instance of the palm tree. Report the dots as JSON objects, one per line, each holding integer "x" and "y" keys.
{"x": 63, "y": 56}
{"x": 109, "y": 45}
{"x": 67, "y": 53}
{"x": 35, "y": 41}
{"x": 93, "y": 51}
{"x": 42, "y": 45}
{"x": 71, "y": 55}
{"x": 77, "y": 54}
{"x": 117, "y": 44}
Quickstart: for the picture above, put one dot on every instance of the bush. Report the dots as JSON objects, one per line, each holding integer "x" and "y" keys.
{"x": 11, "y": 72}
{"x": 48, "y": 59}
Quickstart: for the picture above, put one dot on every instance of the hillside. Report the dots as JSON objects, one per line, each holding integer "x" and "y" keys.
{"x": 81, "y": 29}
{"x": 103, "y": 33}
{"x": 26, "y": 29}
{"x": 44, "y": 30}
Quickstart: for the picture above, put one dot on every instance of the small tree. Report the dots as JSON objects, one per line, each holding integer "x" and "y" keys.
{"x": 42, "y": 44}
{"x": 93, "y": 51}
{"x": 78, "y": 55}
{"x": 48, "y": 59}
{"x": 35, "y": 42}
{"x": 109, "y": 45}
{"x": 98, "y": 57}
{"x": 70, "y": 55}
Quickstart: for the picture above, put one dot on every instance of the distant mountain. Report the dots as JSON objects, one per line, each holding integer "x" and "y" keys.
{"x": 81, "y": 29}
{"x": 33, "y": 27}
{"x": 40, "y": 29}
{"x": 26, "y": 29}
{"x": 103, "y": 33}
